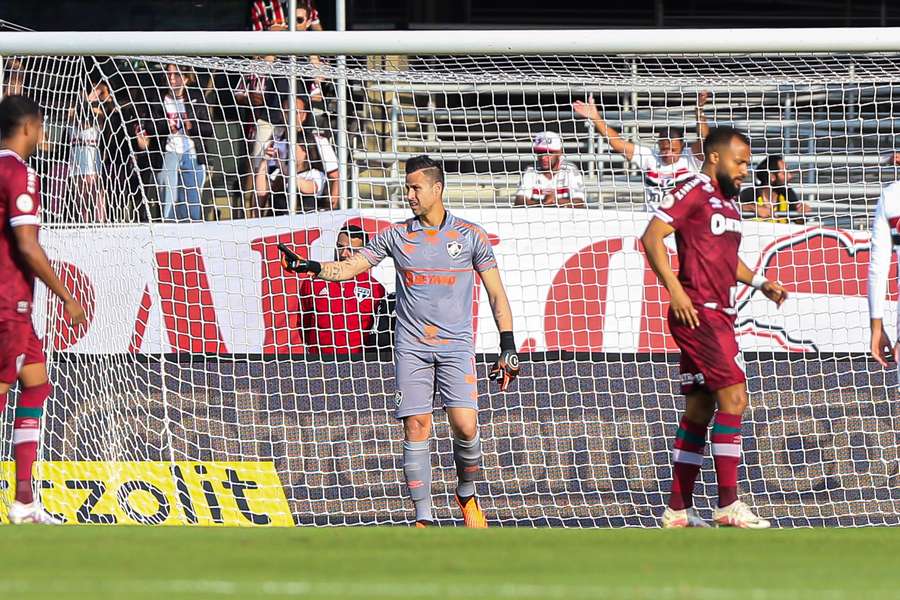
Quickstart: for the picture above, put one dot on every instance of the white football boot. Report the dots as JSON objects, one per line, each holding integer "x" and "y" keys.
{"x": 738, "y": 514}
{"x": 20, "y": 514}
{"x": 676, "y": 519}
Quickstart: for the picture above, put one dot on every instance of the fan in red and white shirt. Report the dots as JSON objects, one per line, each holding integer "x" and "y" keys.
{"x": 271, "y": 15}
{"x": 337, "y": 315}
{"x": 553, "y": 181}
{"x": 669, "y": 164}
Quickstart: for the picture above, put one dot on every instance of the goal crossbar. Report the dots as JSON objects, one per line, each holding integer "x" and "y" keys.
{"x": 490, "y": 42}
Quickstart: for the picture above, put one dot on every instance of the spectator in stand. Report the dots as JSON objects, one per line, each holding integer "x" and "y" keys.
{"x": 262, "y": 94}
{"x": 317, "y": 168}
{"x": 671, "y": 162}
{"x": 182, "y": 121}
{"x": 555, "y": 181}
{"x": 272, "y": 15}
{"x": 338, "y": 315}
{"x": 772, "y": 200}
{"x": 264, "y": 14}
{"x": 124, "y": 143}
{"x": 13, "y": 78}
{"x": 87, "y": 202}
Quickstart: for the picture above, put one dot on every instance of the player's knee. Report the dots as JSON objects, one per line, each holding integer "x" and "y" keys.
{"x": 464, "y": 431}
{"x": 700, "y": 408}
{"x": 732, "y": 400}
{"x": 35, "y": 396}
{"x": 417, "y": 427}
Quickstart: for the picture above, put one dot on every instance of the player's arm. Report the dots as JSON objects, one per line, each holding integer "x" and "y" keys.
{"x": 35, "y": 258}
{"x": 773, "y": 290}
{"x": 702, "y": 126}
{"x": 879, "y": 266}
{"x": 655, "y": 249}
{"x": 330, "y": 271}
{"x": 589, "y": 110}
{"x": 507, "y": 366}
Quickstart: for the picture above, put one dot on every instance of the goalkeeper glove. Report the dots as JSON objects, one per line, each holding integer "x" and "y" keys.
{"x": 291, "y": 262}
{"x": 507, "y": 366}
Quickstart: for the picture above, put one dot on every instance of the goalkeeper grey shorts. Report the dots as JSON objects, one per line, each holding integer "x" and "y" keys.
{"x": 419, "y": 375}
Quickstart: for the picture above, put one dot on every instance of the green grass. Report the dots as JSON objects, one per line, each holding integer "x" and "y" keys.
{"x": 176, "y": 563}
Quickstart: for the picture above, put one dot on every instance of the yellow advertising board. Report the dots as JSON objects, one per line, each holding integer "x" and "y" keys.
{"x": 158, "y": 493}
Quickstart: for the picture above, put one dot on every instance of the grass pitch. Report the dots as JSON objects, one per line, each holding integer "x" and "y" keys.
{"x": 336, "y": 563}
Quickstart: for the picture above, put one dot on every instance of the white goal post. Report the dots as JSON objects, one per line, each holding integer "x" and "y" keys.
{"x": 197, "y": 393}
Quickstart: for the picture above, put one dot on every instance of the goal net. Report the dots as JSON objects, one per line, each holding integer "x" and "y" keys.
{"x": 196, "y": 394}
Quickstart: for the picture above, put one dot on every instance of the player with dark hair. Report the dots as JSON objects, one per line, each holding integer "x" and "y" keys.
{"x": 336, "y": 315}
{"x": 21, "y": 260}
{"x": 773, "y": 194}
{"x": 703, "y": 214}
{"x": 436, "y": 255}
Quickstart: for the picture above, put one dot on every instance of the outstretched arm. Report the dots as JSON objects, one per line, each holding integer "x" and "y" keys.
{"x": 589, "y": 110}
{"x": 330, "y": 271}
{"x": 702, "y": 127}
{"x": 344, "y": 269}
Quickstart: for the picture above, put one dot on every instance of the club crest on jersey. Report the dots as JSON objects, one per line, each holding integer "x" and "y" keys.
{"x": 362, "y": 292}
{"x": 454, "y": 249}
{"x": 24, "y": 203}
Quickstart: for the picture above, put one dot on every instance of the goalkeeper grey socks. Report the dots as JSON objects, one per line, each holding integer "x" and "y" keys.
{"x": 467, "y": 455}
{"x": 417, "y": 469}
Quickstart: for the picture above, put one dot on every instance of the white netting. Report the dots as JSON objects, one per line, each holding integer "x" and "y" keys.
{"x": 196, "y": 351}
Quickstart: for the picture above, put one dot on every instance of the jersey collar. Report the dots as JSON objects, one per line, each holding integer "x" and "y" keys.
{"x": 14, "y": 153}
{"x": 416, "y": 223}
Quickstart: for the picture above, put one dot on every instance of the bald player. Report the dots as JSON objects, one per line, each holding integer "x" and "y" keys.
{"x": 437, "y": 256}
{"x": 704, "y": 215}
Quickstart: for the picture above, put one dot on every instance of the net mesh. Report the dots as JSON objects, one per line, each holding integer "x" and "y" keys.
{"x": 162, "y": 211}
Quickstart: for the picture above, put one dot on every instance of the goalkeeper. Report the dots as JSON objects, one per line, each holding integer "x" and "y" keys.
{"x": 436, "y": 256}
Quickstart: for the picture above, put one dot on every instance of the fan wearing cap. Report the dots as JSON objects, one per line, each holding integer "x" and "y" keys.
{"x": 553, "y": 181}
{"x": 667, "y": 165}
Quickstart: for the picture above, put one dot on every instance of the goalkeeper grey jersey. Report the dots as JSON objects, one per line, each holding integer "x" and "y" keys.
{"x": 435, "y": 280}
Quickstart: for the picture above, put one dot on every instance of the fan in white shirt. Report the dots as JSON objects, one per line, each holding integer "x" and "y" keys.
{"x": 665, "y": 166}
{"x": 552, "y": 181}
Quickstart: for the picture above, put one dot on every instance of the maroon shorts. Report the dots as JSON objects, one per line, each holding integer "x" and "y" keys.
{"x": 19, "y": 346}
{"x": 710, "y": 357}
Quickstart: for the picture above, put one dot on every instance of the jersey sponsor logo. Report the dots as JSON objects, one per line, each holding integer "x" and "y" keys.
{"x": 160, "y": 493}
{"x": 25, "y": 203}
{"x": 454, "y": 249}
{"x": 719, "y": 224}
{"x": 362, "y": 292}
{"x": 413, "y": 279}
